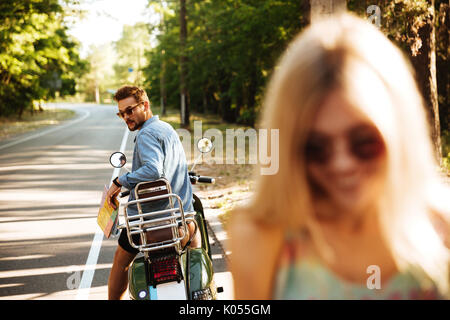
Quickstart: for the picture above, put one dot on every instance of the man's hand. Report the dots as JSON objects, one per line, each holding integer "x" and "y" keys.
{"x": 112, "y": 193}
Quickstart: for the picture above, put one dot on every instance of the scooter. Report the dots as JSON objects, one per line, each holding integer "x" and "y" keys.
{"x": 165, "y": 269}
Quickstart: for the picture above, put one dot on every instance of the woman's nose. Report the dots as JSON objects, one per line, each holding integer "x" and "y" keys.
{"x": 342, "y": 159}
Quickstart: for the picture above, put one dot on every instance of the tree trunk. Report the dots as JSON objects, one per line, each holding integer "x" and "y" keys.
{"x": 97, "y": 93}
{"x": 305, "y": 17}
{"x": 443, "y": 65}
{"x": 324, "y": 8}
{"x": 163, "y": 91}
{"x": 204, "y": 100}
{"x": 424, "y": 62}
{"x": 225, "y": 102}
{"x": 183, "y": 65}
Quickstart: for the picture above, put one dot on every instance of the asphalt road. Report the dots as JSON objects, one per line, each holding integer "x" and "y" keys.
{"x": 51, "y": 183}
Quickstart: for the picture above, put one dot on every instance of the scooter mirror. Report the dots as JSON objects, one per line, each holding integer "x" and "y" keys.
{"x": 117, "y": 159}
{"x": 204, "y": 145}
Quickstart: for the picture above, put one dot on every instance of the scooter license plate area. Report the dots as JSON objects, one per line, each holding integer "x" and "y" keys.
{"x": 168, "y": 291}
{"x": 165, "y": 279}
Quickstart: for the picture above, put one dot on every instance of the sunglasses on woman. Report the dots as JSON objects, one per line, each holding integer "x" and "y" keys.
{"x": 364, "y": 144}
{"x": 128, "y": 111}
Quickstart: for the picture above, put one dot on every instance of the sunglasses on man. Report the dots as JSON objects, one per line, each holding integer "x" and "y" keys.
{"x": 129, "y": 110}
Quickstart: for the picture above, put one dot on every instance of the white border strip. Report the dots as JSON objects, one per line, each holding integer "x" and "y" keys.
{"x": 40, "y": 134}
{"x": 91, "y": 263}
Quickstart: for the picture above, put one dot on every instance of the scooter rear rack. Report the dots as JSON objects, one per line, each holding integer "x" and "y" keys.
{"x": 168, "y": 221}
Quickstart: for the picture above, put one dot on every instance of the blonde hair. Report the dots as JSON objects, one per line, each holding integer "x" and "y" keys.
{"x": 345, "y": 52}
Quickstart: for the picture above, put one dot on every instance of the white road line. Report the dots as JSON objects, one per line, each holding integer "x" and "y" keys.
{"x": 40, "y": 134}
{"x": 89, "y": 268}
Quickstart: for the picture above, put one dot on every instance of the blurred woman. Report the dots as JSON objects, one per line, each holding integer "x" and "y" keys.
{"x": 356, "y": 209}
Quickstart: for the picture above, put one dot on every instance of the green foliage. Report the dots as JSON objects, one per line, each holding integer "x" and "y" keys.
{"x": 131, "y": 49}
{"x": 232, "y": 48}
{"x": 109, "y": 64}
{"x": 401, "y": 21}
{"x": 100, "y": 76}
{"x": 37, "y": 58}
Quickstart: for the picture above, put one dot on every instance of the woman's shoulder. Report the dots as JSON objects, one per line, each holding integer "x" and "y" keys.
{"x": 247, "y": 232}
{"x": 255, "y": 248}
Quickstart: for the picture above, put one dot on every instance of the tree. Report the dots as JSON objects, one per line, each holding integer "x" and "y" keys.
{"x": 101, "y": 75}
{"x": 163, "y": 59}
{"x": 163, "y": 90}
{"x": 38, "y": 60}
{"x": 183, "y": 65}
{"x": 232, "y": 48}
{"x": 110, "y": 64}
{"x": 411, "y": 25}
{"x": 130, "y": 49}
{"x": 443, "y": 65}
{"x": 423, "y": 58}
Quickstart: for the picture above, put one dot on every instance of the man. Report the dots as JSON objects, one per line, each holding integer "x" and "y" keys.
{"x": 158, "y": 153}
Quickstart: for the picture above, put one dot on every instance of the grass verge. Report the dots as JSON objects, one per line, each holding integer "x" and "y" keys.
{"x": 12, "y": 126}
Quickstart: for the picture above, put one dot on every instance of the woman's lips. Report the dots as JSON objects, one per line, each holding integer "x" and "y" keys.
{"x": 346, "y": 185}
{"x": 347, "y": 182}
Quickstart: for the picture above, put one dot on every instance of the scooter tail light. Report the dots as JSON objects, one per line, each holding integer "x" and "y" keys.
{"x": 165, "y": 269}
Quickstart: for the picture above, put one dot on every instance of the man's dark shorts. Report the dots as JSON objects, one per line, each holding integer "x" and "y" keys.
{"x": 123, "y": 239}
{"x": 125, "y": 244}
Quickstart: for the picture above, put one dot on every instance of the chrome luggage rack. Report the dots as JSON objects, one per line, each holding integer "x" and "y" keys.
{"x": 144, "y": 223}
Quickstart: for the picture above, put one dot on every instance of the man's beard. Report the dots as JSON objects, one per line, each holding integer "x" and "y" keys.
{"x": 135, "y": 125}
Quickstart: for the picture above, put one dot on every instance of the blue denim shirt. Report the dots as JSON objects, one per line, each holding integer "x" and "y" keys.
{"x": 158, "y": 152}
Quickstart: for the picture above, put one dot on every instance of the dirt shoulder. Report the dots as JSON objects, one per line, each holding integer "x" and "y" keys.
{"x": 13, "y": 126}
{"x": 233, "y": 187}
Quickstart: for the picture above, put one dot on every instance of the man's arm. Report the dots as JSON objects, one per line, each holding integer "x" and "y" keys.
{"x": 151, "y": 155}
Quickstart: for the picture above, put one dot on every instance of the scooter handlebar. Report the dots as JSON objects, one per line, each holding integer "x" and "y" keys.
{"x": 205, "y": 179}
{"x": 202, "y": 179}
{"x": 124, "y": 193}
